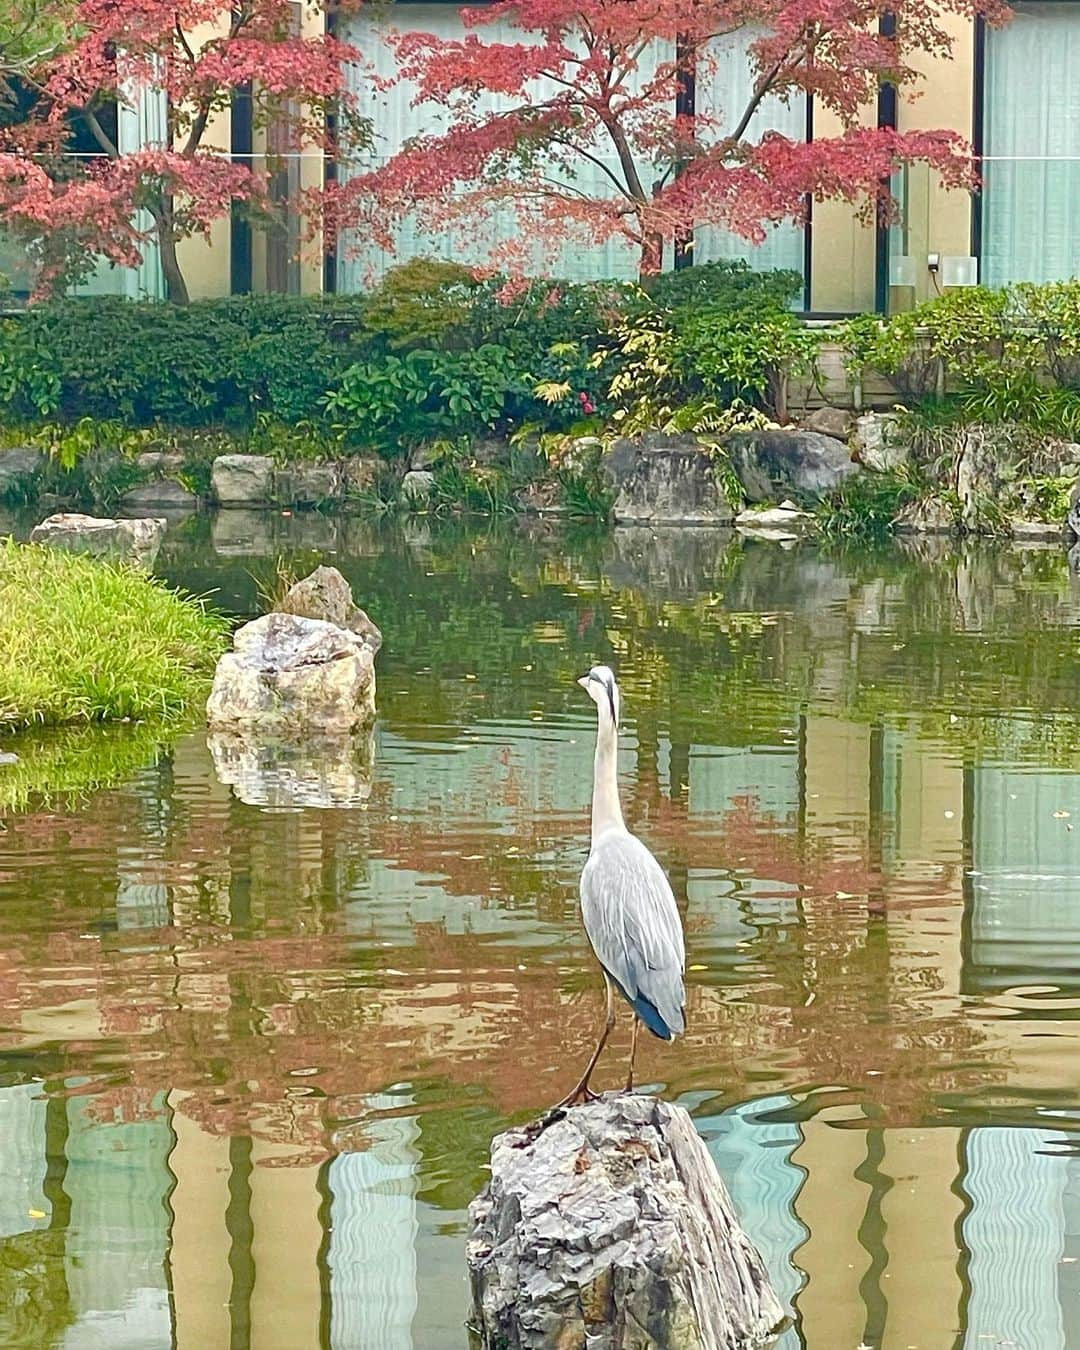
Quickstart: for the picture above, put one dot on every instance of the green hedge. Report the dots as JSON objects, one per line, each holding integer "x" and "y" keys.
{"x": 431, "y": 353}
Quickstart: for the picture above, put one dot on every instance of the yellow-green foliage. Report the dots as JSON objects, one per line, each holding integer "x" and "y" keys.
{"x": 85, "y": 641}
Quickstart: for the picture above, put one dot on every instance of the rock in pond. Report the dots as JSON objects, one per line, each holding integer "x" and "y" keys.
{"x": 20, "y": 469}
{"x": 1047, "y": 531}
{"x": 289, "y": 675}
{"x": 417, "y": 487}
{"x": 771, "y": 464}
{"x": 164, "y": 492}
{"x": 326, "y": 595}
{"x": 243, "y": 480}
{"x": 929, "y": 515}
{"x": 609, "y": 1228}
{"x": 329, "y": 771}
{"x": 665, "y": 481}
{"x": 136, "y": 541}
{"x": 778, "y": 524}
{"x": 308, "y": 483}
{"x": 879, "y": 444}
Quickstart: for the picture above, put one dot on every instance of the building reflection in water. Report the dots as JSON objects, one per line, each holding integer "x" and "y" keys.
{"x": 251, "y": 1059}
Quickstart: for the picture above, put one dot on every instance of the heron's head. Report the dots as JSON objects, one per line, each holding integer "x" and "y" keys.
{"x": 600, "y": 685}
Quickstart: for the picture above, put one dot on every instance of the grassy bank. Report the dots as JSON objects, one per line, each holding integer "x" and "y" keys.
{"x": 82, "y": 641}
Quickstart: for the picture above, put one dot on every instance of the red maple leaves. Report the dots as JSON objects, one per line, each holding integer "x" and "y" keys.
{"x": 578, "y": 123}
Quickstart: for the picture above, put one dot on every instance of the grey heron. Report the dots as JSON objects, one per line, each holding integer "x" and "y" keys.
{"x": 629, "y": 912}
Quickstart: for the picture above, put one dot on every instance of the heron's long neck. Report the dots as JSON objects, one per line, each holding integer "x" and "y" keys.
{"x": 606, "y": 810}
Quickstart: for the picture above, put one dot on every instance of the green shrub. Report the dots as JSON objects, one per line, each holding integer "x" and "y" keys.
{"x": 400, "y": 401}
{"x": 425, "y": 302}
{"x": 84, "y": 641}
{"x": 729, "y": 284}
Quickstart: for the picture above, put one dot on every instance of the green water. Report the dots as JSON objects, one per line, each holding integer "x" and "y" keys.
{"x": 252, "y": 1056}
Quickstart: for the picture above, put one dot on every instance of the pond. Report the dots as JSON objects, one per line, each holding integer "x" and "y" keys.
{"x": 252, "y": 1056}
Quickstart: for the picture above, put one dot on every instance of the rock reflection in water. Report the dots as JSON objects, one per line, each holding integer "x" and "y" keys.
{"x": 320, "y": 771}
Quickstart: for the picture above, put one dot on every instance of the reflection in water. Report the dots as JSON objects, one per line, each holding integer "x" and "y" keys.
{"x": 251, "y": 1059}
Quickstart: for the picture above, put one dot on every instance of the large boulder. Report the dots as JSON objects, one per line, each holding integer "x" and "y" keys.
{"x": 830, "y": 422}
{"x": 308, "y": 483}
{"x": 20, "y": 468}
{"x": 307, "y": 770}
{"x": 326, "y": 595}
{"x": 665, "y": 481}
{"x": 879, "y": 444}
{"x": 609, "y": 1227}
{"x": 136, "y": 541}
{"x": 785, "y": 461}
{"x": 164, "y": 492}
{"x": 243, "y": 480}
{"x": 288, "y": 676}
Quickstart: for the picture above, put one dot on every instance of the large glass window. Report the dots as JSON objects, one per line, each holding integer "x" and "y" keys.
{"x": 723, "y": 89}
{"x": 1031, "y": 143}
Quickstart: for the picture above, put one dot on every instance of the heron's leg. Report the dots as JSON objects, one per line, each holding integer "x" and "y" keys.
{"x": 581, "y": 1093}
{"x": 633, "y": 1052}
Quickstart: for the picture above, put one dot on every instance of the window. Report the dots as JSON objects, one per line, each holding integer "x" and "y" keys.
{"x": 723, "y": 89}
{"x": 1031, "y": 147}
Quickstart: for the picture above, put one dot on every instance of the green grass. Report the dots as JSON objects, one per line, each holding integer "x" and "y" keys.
{"x": 83, "y": 641}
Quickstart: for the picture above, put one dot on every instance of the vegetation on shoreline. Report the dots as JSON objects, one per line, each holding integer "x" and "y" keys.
{"x": 85, "y": 641}
{"x": 509, "y": 391}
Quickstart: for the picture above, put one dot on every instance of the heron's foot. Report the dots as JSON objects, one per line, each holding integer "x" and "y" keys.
{"x": 580, "y": 1096}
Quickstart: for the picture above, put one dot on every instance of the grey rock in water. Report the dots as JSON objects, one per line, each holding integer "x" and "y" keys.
{"x": 1072, "y": 519}
{"x": 8, "y": 757}
{"x": 288, "y": 675}
{"x": 1036, "y": 530}
{"x": 329, "y": 771}
{"x": 136, "y": 541}
{"x": 929, "y": 515}
{"x": 164, "y": 492}
{"x": 326, "y": 595}
{"x": 610, "y": 1229}
{"x": 307, "y": 483}
{"x": 830, "y": 422}
{"x": 778, "y": 524}
{"x": 774, "y": 463}
{"x": 20, "y": 467}
{"x": 665, "y": 481}
{"x": 879, "y": 444}
{"x": 243, "y": 480}
{"x": 417, "y": 487}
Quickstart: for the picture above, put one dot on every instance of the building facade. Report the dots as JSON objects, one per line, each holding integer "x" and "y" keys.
{"x": 1009, "y": 91}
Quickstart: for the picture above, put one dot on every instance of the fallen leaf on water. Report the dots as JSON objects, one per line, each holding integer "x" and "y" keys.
{"x": 1062, "y": 815}
{"x": 36, "y": 1213}
{"x": 697, "y": 967}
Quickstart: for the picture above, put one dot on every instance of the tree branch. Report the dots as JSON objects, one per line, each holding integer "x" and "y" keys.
{"x": 98, "y": 133}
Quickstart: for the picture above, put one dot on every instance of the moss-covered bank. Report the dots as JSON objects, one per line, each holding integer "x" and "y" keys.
{"x": 82, "y": 641}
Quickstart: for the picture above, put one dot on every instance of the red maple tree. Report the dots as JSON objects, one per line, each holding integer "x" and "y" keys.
{"x": 605, "y": 83}
{"x": 191, "y": 57}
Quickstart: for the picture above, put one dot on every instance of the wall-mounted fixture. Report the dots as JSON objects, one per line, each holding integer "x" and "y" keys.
{"x": 933, "y": 262}
{"x": 959, "y": 270}
{"x": 902, "y": 270}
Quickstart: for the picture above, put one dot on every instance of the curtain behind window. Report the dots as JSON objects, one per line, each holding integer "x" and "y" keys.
{"x": 1031, "y": 188}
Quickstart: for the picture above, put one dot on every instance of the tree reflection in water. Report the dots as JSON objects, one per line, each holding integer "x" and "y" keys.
{"x": 252, "y": 1055}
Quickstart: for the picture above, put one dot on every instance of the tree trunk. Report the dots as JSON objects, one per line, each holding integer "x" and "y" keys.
{"x": 610, "y": 1227}
{"x": 175, "y": 286}
{"x": 652, "y": 256}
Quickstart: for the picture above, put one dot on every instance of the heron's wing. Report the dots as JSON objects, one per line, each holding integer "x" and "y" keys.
{"x": 634, "y": 927}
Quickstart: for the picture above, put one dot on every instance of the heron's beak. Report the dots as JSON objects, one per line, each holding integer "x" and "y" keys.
{"x": 583, "y": 680}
